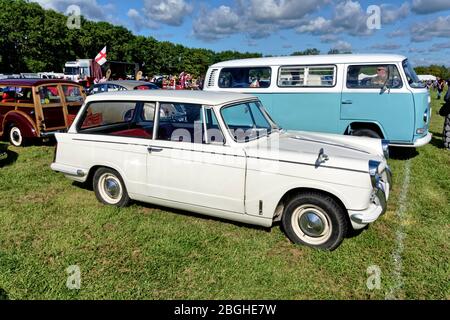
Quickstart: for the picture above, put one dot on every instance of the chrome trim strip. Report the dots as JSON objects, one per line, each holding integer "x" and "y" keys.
{"x": 330, "y": 144}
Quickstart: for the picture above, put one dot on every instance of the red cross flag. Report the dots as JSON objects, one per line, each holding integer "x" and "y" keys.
{"x": 101, "y": 57}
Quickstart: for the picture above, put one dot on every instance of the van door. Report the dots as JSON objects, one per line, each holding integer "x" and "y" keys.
{"x": 376, "y": 93}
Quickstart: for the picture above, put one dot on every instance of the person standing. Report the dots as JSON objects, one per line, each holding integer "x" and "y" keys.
{"x": 440, "y": 88}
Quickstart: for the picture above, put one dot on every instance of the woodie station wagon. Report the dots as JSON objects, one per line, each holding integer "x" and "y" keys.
{"x": 220, "y": 154}
{"x": 36, "y": 108}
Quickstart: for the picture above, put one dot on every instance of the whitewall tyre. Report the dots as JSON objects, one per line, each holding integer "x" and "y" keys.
{"x": 109, "y": 188}
{"x": 315, "y": 220}
{"x": 15, "y": 136}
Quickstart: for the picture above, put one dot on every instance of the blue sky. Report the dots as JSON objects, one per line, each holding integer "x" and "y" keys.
{"x": 419, "y": 29}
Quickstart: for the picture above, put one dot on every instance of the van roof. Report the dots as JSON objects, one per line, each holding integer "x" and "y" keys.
{"x": 312, "y": 59}
{"x": 175, "y": 96}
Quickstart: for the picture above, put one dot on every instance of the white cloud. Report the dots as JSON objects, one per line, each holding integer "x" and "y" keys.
{"x": 430, "y": 6}
{"x": 342, "y": 46}
{"x": 426, "y": 31}
{"x": 170, "y": 12}
{"x": 391, "y": 14}
{"x": 217, "y": 24}
{"x": 139, "y": 21}
{"x": 386, "y": 46}
{"x": 348, "y": 17}
{"x": 91, "y": 9}
{"x": 255, "y": 18}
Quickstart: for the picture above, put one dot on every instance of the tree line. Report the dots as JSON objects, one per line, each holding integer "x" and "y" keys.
{"x": 34, "y": 40}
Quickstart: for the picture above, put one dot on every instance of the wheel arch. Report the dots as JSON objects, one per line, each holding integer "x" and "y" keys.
{"x": 23, "y": 121}
{"x": 372, "y": 125}
{"x": 295, "y": 191}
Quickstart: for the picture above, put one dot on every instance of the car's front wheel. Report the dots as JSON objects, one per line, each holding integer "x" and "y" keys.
{"x": 109, "y": 188}
{"x": 315, "y": 220}
{"x": 446, "y": 133}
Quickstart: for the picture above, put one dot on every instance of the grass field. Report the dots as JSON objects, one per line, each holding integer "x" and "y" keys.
{"x": 47, "y": 224}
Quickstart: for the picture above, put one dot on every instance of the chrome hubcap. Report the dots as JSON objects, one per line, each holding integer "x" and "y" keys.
{"x": 311, "y": 224}
{"x": 112, "y": 188}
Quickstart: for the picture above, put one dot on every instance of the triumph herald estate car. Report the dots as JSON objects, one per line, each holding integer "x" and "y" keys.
{"x": 36, "y": 108}
{"x": 220, "y": 154}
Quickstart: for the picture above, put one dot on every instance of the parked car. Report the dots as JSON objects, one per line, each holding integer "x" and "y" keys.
{"x": 372, "y": 95}
{"x": 37, "y": 108}
{"x": 225, "y": 158}
{"x": 122, "y": 85}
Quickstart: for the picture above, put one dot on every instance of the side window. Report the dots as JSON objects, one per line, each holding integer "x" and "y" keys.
{"x": 373, "y": 77}
{"x": 8, "y": 95}
{"x": 72, "y": 93}
{"x": 180, "y": 122}
{"x": 100, "y": 114}
{"x": 258, "y": 77}
{"x": 307, "y": 76}
{"x": 214, "y": 134}
{"x": 49, "y": 95}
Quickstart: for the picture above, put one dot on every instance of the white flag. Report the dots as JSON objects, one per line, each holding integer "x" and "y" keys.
{"x": 101, "y": 57}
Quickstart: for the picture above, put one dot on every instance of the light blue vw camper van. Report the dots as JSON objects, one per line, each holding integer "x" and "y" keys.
{"x": 372, "y": 95}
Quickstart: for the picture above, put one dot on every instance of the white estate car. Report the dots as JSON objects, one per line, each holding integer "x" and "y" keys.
{"x": 220, "y": 154}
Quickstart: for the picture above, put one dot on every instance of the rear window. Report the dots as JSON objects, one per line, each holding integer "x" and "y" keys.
{"x": 72, "y": 93}
{"x": 257, "y": 77}
{"x": 100, "y": 114}
{"x": 307, "y": 76}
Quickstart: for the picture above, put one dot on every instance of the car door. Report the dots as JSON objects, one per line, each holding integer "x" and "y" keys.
{"x": 190, "y": 165}
{"x": 364, "y": 100}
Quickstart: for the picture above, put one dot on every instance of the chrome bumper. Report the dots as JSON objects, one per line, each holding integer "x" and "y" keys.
{"x": 378, "y": 202}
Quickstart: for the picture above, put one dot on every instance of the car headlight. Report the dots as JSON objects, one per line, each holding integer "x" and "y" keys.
{"x": 374, "y": 171}
{"x": 385, "y": 147}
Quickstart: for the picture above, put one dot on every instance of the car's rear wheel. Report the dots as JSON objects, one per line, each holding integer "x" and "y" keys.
{"x": 315, "y": 220}
{"x": 16, "y": 136}
{"x": 446, "y": 133}
{"x": 109, "y": 188}
{"x": 366, "y": 133}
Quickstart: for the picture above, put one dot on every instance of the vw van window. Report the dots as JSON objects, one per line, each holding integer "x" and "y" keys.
{"x": 49, "y": 95}
{"x": 413, "y": 79}
{"x": 246, "y": 121}
{"x": 259, "y": 77}
{"x": 72, "y": 93}
{"x": 374, "y": 77}
{"x": 307, "y": 76}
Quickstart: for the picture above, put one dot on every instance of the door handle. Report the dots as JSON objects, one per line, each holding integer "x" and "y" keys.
{"x": 154, "y": 149}
{"x": 347, "y": 102}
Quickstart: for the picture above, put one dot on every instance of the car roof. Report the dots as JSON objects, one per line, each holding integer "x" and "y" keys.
{"x": 34, "y": 82}
{"x": 176, "y": 96}
{"x": 129, "y": 84}
{"x": 312, "y": 59}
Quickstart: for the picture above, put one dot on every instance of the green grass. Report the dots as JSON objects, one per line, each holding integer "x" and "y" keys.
{"x": 142, "y": 252}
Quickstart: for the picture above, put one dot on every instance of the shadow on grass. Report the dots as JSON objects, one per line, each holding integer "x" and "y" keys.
{"x": 406, "y": 153}
{"x": 3, "y": 295}
{"x": 11, "y": 158}
{"x": 88, "y": 186}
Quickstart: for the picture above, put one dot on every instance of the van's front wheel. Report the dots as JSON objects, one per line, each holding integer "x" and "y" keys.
{"x": 315, "y": 220}
{"x": 366, "y": 133}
